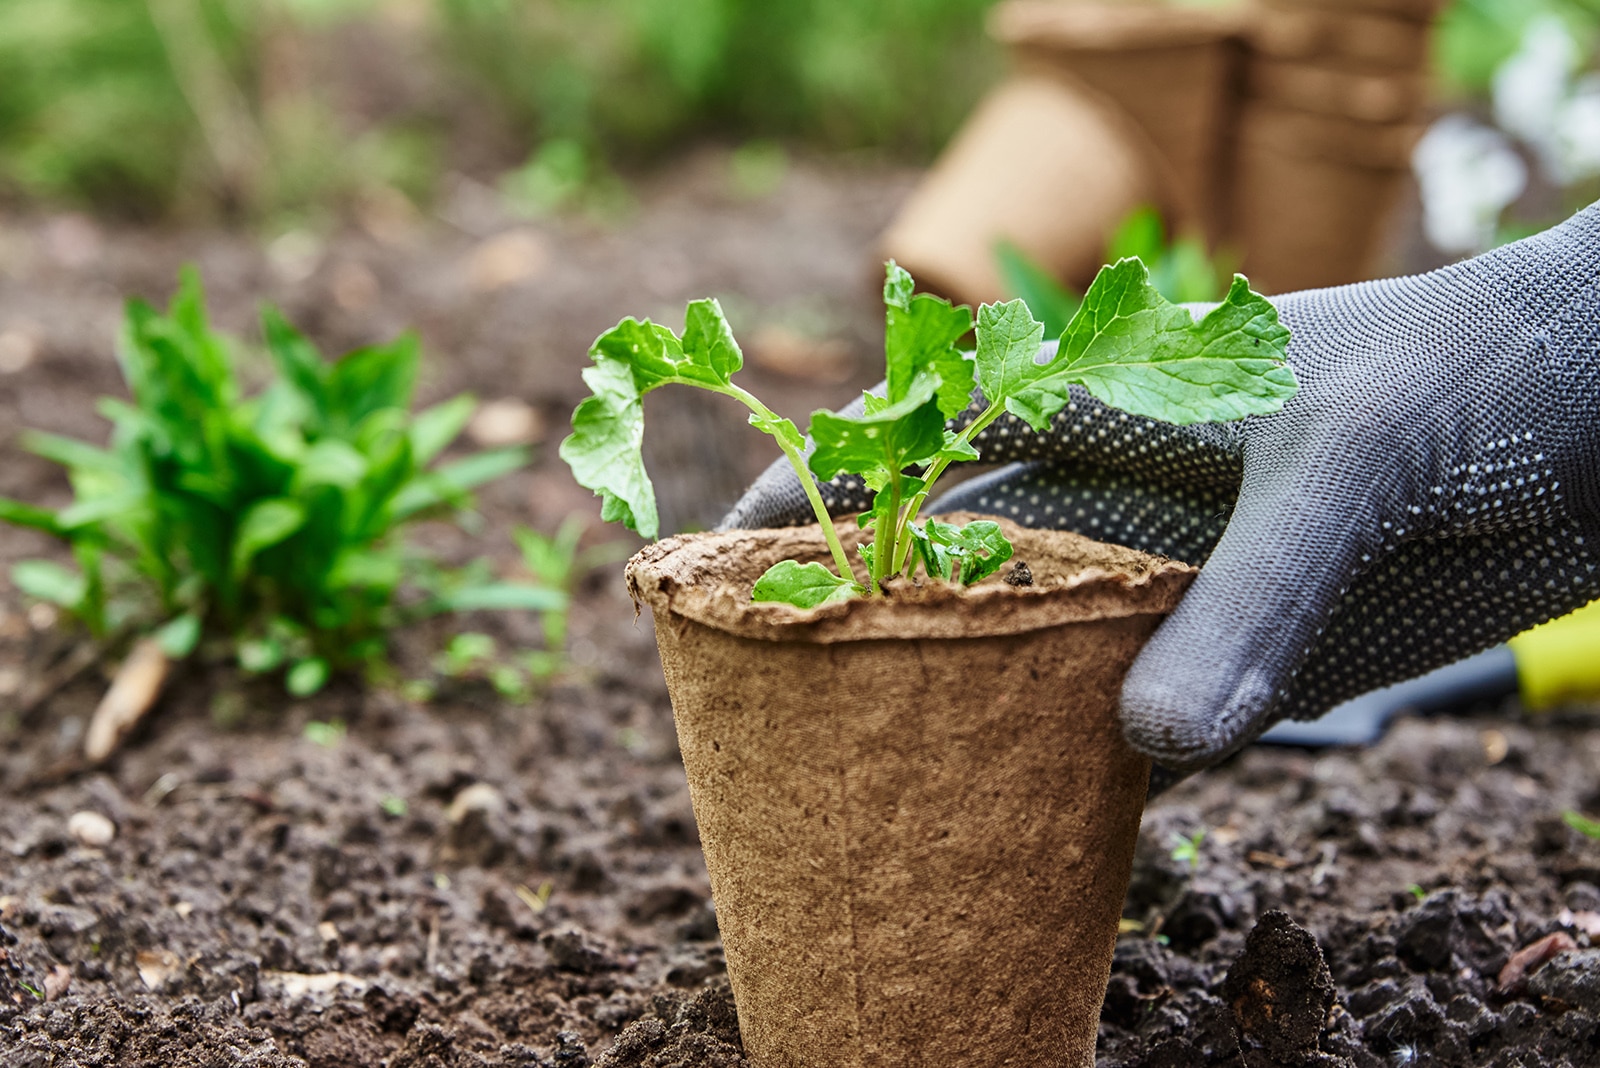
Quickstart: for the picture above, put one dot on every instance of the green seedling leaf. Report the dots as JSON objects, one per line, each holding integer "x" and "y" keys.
{"x": 1186, "y": 848}
{"x": 307, "y": 676}
{"x": 466, "y": 651}
{"x": 920, "y": 335}
{"x": 260, "y": 655}
{"x": 892, "y": 438}
{"x": 1035, "y": 286}
{"x": 434, "y": 429}
{"x": 70, "y": 453}
{"x": 980, "y": 546}
{"x": 328, "y": 735}
{"x": 49, "y": 581}
{"x": 803, "y": 585}
{"x": 26, "y": 515}
{"x": 1134, "y": 350}
{"x": 630, "y": 360}
{"x": 369, "y": 380}
{"x": 179, "y": 637}
{"x": 266, "y": 524}
{"x": 393, "y": 806}
{"x": 1582, "y": 824}
{"x": 331, "y": 462}
{"x": 935, "y": 555}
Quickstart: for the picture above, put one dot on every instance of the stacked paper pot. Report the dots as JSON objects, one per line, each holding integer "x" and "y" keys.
{"x": 1334, "y": 92}
{"x": 1280, "y": 130}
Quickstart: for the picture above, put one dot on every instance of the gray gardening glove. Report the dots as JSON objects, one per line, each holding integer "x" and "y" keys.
{"x": 1431, "y": 490}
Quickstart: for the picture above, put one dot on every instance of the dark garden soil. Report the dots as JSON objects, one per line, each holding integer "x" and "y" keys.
{"x": 474, "y": 882}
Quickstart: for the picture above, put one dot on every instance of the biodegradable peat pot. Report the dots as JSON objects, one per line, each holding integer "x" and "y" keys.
{"x": 918, "y": 811}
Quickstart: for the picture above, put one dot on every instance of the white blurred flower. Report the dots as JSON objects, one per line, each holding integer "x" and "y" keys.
{"x": 1530, "y": 87}
{"x": 1577, "y": 134}
{"x": 1468, "y": 173}
{"x": 1536, "y": 100}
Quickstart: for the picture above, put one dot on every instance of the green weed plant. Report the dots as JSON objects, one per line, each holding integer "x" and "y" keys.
{"x": 274, "y": 523}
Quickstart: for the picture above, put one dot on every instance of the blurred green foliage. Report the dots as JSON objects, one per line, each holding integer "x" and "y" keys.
{"x": 145, "y": 106}
{"x": 1181, "y": 269}
{"x": 1473, "y": 37}
{"x": 632, "y": 76}
{"x": 208, "y": 106}
{"x": 272, "y": 523}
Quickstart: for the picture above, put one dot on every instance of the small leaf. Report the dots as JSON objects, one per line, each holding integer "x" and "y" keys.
{"x": 259, "y": 655}
{"x": 331, "y": 462}
{"x": 505, "y": 596}
{"x": 26, "y": 515}
{"x": 435, "y": 428}
{"x": 178, "y": 637}
{"x": 328, "y": 735}
{"x": 980, "y": 546}
{"x": 49, "y": 581}
{"x": 70, "y": 452}
{"x": 630, "y": 360}
{"x": 803, "y": 585}
{"x": 266, "y": 524}
{"x": 87, "y": 513}
{"x": 306, "y": 677}
{"x": 920, "y": 333}
{"x": 1582, "y": 824}
{"x": 1134, "y": 350}
{"x": 906, "y": 432}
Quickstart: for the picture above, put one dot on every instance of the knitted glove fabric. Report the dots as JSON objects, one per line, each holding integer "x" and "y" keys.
{"x": 1432, "y": 489}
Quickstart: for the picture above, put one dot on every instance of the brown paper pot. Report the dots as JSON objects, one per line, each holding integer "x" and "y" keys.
{"x": 918, "y": 812}
{"x": 1312, "y": 194}
{"x": 1170, "y": 70}
{"x": 1039, "y": 164}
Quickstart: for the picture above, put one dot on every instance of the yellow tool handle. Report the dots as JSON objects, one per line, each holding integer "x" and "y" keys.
{"x": 1559, "y": 661}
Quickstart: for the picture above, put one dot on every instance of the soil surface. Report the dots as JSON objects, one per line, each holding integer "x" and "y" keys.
{"x": 475, "y": 882}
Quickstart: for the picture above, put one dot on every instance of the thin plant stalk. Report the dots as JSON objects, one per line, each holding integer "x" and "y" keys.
{"x": 807, "y": 482}
{"x": 902, "y": 539}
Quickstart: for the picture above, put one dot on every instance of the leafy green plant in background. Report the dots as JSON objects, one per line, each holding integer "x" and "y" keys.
{"x": 143, "y": 106}
{"x": 1474, "y": 37}
{"x": 1180, "y": 270}
{"x": 633, "y": 76}
{"x": 272, "y": 523}
{"x": 556, "y": 563}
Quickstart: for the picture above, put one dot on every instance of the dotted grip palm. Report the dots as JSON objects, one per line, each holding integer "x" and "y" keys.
{"x": 1431, "y": 490}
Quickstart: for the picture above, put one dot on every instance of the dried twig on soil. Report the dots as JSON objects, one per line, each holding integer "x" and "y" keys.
{"x": 1529, "y": 959}
{"x": 133, "y": 692}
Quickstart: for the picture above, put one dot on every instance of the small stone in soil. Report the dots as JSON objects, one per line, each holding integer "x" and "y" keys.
{"x": 1019, "y": 574}
{"x": 1280, "y": 989}
{"x": 91, "y": 829}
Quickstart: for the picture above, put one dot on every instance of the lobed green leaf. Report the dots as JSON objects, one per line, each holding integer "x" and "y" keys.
{"x": 1132, "y": 349}
{"x": 920, "y": 335}
{"x": 889, "y": 438}
{"x": 630, "y": 360}
{"x": 803, "y": 585}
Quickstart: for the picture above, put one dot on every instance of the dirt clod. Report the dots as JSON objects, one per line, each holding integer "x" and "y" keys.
{"x": 1019, "y": 574}
{"x": 1280, "y": 990}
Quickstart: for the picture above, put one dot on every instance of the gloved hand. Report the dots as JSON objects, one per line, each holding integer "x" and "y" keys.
{"x": 1433, "y": 489}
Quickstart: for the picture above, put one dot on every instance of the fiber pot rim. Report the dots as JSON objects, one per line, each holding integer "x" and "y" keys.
{"x": 707, "y": 577}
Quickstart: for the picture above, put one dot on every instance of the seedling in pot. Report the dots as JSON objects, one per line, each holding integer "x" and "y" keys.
{"x": 1126, "y": 344}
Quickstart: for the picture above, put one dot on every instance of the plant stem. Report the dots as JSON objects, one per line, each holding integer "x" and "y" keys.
{"x": 883, "y": 554}
{"x": 807, "y": 482}
{"x": 902, "y": 560}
